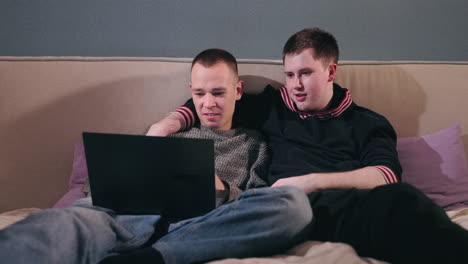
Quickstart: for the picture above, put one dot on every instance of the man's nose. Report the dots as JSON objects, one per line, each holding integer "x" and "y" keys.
{"x": 209, "y": 101}
{"x": 297, "y": 83}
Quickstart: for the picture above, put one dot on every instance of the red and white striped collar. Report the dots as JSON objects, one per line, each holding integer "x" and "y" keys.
{"x": 334, "y": 112}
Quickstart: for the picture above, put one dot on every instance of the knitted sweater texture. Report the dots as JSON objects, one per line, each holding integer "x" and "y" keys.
{"x": 241, "y": 157}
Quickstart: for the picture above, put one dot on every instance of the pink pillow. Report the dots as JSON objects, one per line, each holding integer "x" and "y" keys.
{"x": 436, "y": 164}
{"x": 79, "y": 170}
{"x": 77, "y": 178}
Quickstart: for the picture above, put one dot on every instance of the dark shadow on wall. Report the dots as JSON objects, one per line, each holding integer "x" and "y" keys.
{"x": 255, "y": 84}
{"x": 389, "y": 91}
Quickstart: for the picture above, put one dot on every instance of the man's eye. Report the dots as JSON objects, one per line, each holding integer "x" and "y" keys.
{"x": 217, "y": 94}
{"x": 289, "y": 75}
{"x": 307, "y": 73}
{"x": 198, "y": 94}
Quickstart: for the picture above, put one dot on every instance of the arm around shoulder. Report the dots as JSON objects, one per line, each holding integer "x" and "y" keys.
{"x": 177, "y": 120}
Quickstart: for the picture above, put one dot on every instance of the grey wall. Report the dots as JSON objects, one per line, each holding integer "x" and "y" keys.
{"x": 365, "y": 29}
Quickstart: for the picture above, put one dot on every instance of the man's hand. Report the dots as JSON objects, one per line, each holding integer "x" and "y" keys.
{"x": 170, "y": 124}
{"x": 220, "y": 186}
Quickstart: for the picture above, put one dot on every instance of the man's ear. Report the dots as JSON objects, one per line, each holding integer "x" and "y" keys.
{"x": 190, "y": 85}
{"x": 332, "y": 72}
{"x": 239, "y": 89}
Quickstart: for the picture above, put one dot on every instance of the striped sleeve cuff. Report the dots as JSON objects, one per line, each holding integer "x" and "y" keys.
{"x": 187, "y": 115}
{"x": 387, "y": 173}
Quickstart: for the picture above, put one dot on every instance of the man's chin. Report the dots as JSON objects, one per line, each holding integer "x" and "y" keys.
{"x": 210, "y": 125}
{"x": 301, "y": 106}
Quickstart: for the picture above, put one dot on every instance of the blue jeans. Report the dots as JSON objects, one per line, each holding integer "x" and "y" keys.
{"x": 259, "y": 222}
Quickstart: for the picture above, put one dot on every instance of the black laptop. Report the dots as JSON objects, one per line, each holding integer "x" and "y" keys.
{"x": 134, "y": 174}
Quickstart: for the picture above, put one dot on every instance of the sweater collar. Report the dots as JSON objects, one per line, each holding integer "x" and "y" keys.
{"x": 222, "y": 133}
{"x": 340, "y": 101}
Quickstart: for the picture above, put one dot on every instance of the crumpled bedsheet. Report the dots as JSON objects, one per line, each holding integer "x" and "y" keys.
{"x": 308, "y": 252}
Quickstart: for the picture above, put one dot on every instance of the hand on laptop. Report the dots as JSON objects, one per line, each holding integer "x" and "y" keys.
{"x": 219, "y": 183}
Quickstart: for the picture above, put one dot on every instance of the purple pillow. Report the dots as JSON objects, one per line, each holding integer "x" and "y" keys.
{"x": 77, "y": 178}
{"x": 436, "y": 164}
{"x": 79, "y": 170}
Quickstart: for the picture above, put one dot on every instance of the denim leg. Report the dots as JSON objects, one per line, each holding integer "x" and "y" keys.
{"x": 259, "y": 222}
{"x": 72, "y": 235}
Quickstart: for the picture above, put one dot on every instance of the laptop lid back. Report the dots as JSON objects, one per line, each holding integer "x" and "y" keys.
{"x": 134, "y": 174}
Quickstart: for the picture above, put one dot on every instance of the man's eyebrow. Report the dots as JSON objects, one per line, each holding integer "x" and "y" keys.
{"x": 217, "y": 89}
{"x": 300, "y": 70}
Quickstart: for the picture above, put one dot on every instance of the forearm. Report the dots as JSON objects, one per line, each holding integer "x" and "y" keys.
{"x": 170, "y": 124}
{"x": 364, "y": 178}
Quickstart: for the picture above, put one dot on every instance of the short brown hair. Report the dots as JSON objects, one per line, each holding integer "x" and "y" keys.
{"x": 210, "y": 57}
{"x": 322, "y": 42}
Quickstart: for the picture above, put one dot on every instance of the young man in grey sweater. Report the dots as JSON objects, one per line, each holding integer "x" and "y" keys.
{"x": 250, "y": 224}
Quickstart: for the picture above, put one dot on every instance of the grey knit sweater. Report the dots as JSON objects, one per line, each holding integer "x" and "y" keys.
{"x": 241, "y": 157}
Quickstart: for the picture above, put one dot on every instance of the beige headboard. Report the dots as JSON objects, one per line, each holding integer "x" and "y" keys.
{"x": 45, "y": 104}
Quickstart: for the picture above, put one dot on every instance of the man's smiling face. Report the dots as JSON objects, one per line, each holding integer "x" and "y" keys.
{"x": 215, "y": 90}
